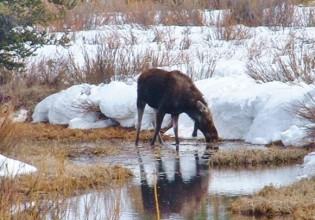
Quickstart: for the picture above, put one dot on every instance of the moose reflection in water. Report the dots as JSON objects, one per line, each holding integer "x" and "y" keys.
{"x": 177, "y": 192}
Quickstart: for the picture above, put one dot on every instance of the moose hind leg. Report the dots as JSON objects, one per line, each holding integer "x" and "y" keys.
{"x": 159, "y": 118}
{"x": 154, "y": 125}
{"x": 140, "y": 109}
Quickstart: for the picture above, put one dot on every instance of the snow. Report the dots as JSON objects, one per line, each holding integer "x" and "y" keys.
{"x": 20, "y": 115}
{"x": 11, "y": 168}
{"x": 309, "y": 166}
{"x": 118, "y": 102}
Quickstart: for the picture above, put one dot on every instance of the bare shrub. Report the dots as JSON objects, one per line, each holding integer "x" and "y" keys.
{"x": 110, "y": 64}
{"x": 293, "y": 70}
{"x": 281, "y": 14}
{"x": 255, "y": 49}
{"x": 311, "y": 18}
{"x": 103, "y": 67}
{"x": 143, "y": 13}
{"x": 197, "y": 70}
{"x": 154, "y": 59}
{"x": 265, "y": 13}
{"x": 86, "y": 15}
{"x": 112, "y": 61}
{"x": 294, "y": 63}
{"x": 6, "y": 76}
{"x": 164, "y": 38}
{"x": 306, "y": 17}
{"x": 306, "y": 110}
{"x": 158, "y": 35}
{"x": 180, "y": 17}
{"x": 185, "y": 42}
{"x": 261, "y": 72}
{"x": 87, "y": 106}
{"x": 21, "y": 95}
{"x": 47, "y": 72}
{"x": 246, "y": 12}
{"x": 90, "y": 14}
{"x": 227, "y": 28}
{"x": 208, "y": 64}
{"x": 252, "y": 13}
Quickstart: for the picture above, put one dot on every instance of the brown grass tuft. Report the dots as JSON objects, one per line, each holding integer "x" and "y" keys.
{"x": 272, "y": 155}
{"x": 296, "y": 200}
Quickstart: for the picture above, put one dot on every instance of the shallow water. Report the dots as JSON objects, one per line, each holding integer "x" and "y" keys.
{"x": 175, "y": 185}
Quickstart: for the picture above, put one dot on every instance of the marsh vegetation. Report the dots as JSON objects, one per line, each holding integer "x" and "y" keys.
{"x": 56, "y": 150}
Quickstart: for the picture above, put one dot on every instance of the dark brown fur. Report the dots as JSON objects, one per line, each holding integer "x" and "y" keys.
{"x": 173, "y": 93}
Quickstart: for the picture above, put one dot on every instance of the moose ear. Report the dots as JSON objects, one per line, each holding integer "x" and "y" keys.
{"x": 201, "y": 107}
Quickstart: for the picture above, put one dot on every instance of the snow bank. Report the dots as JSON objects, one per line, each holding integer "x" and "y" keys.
{"x": 255, "y": 113}
{"x": 309, "y": 166}
{"x": 242, "y": 109}
{"x": 11, "y": 168}
{"x": 119, "y": 102}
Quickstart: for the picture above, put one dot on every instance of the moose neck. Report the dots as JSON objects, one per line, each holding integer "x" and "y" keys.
{"x": 194, "y": 114}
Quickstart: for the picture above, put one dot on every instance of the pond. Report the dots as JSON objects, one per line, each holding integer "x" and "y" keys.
{"x": 170, "y": 184}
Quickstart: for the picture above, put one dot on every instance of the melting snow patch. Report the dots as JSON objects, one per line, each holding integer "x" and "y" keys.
{"x": 11, "y": 168}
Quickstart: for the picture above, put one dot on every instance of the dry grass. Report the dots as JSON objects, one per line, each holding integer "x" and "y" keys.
{"x": 272, "y": 155}
{"x": 26, "y": 97}
{"x": 48, "y": 132}
{"x": 8, "y": 129}
{"x": 89, "y": 15}
{"x": 296, "y": 201}
{"x": 47, "y": 190}
{"x": 50, "y": 147}
{"x": 57, "y": 177}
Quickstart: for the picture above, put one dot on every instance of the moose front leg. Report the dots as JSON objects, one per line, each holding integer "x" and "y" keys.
{"x": 175, "y": 127}
{"x": 194, "y": 134}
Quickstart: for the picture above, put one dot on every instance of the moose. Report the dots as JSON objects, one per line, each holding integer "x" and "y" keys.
{"x": 173, "y": 92}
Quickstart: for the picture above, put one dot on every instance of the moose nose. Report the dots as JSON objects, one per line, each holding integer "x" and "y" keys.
{"x": 208, "y": 138}
{"x": 215, "y": 136}
{"x": 212, "y": 137}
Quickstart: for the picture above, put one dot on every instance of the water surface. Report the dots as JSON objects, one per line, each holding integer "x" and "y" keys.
{"x": 170, "y": 184}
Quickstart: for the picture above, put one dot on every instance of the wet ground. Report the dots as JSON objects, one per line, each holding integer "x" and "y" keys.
{"x": 170, "y": 184}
